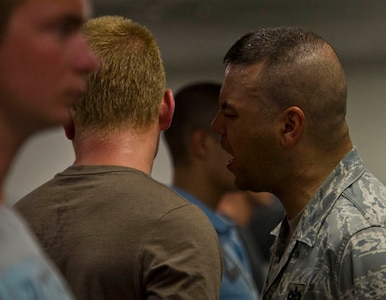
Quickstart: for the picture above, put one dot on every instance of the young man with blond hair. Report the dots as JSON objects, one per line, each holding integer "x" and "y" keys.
{"x": 113, "y": 231}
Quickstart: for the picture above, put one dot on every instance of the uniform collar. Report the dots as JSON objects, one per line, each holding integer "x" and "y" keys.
{"x": 348, "y": 170}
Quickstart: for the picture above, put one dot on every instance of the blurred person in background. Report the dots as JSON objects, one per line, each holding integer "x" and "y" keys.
{"x": 200, "y": 175}
{"x": 256, "y": 215}
{"x": 263, "y": 221}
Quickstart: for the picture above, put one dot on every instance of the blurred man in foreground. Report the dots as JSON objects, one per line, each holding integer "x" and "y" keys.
{"x": 43, "y": 62}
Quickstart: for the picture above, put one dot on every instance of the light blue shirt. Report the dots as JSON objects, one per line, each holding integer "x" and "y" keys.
{"x": 25, "y": 271}
{"x": 237, "y": 282}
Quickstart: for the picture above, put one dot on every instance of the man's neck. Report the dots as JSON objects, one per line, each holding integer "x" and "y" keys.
{"x": 307, "y": 180}
{"x": 120, "y": 149}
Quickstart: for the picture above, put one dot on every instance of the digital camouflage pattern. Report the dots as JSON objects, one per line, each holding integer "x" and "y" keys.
{"x": 338, "y": 250}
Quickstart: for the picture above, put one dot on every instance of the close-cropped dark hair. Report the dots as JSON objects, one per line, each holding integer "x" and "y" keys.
{"x": 298, "y": 68}
{"x": 196, "y": 105}
{"x": 293, "y": 59}
{"x": 273, "y": 46}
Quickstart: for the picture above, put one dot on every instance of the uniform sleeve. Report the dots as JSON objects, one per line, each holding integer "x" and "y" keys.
{"x": 182, "y": 257}
{"x": 363, "y": 270}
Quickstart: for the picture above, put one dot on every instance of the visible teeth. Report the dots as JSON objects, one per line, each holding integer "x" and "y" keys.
{"x": 230, "y": 161}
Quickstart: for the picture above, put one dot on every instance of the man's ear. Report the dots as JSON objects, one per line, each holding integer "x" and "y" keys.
{"x": 199, "y": 143}
{"x": 69, "y": 129}
{"x": 166, "y": 110}
{"x": 292, "y": 126}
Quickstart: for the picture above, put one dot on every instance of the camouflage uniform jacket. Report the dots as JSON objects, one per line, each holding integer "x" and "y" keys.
{"x": 338, "y": 250}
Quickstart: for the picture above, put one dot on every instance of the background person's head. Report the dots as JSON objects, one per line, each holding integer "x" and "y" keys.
{"x": 199, "y": 163}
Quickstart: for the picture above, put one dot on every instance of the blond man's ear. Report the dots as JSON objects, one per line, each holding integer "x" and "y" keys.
{"x": 166, "y": 110}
